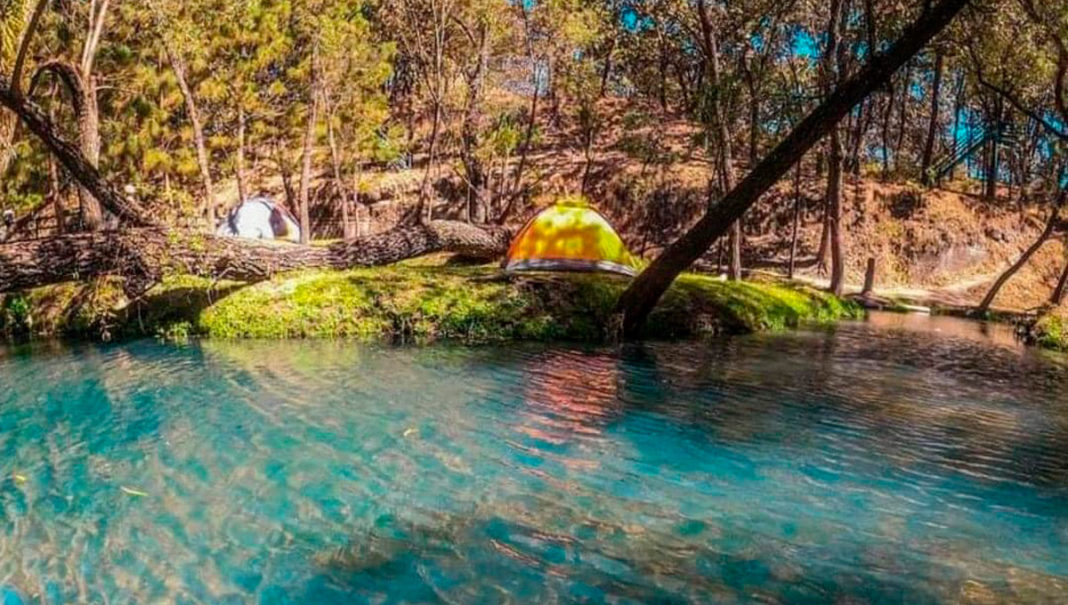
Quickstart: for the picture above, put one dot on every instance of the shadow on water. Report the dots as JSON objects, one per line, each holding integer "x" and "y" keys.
{"x": 607, "y": 562}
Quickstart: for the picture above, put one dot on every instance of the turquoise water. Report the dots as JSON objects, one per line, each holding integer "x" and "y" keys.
{"x": 900, "y": 461}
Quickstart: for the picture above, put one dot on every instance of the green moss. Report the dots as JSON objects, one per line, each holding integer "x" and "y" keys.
{"x": 420, "y": 303}
{"x": 1048, "y": 332}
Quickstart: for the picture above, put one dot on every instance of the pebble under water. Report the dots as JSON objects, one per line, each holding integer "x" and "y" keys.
{"x": 902, "y": 460}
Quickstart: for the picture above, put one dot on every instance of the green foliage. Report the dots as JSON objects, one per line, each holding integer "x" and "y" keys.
{"x": 1051, "y": 332}
{"x": 15, "y": 315}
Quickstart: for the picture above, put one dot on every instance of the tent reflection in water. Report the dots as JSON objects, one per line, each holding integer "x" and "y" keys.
{"x": 569, "y": 236}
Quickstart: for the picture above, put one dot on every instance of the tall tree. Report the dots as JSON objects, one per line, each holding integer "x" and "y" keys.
{"x": 644, "y": 292}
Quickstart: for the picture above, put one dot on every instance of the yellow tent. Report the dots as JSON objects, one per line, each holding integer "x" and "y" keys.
{"x": 569, "y": 236}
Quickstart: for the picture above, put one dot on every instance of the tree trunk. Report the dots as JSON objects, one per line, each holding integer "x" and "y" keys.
{"x": 339, "y": 183}
{"x": 359, "y": 231}
{"x": 72, "y": 158}
{"x": 833, "y": 65}
{"x": 958, "y": 107}
{"x": 178, "y": 67}
{"x": 89, "y": 137}
{"x": 477, "y": 191}
{"x": 55, "y": 190}
{"x": 662, "y": 66}
{"x": 142, "y": 256}
{"x": 932, "y": 125}
{"x": 1057, "y": 299}
{"x": 309, "y": 148}
{"x": 906, "y": 93}
{"x": 528, "y": 134}
{"x": 725, "y": 156}
{"x": 990, "y": 191}
{"x": 587, "y": 152}
{"x": 1051, "y": 226}
{"x": 242, "y": 185}
{"x": 607, "y": 71}
{"x": 426, "y": 207}
{"x": 644, "y": 292}
{"x": 825, "y": 237}
{"x": 797, "y": 220}
{"x": 887, "y": 117}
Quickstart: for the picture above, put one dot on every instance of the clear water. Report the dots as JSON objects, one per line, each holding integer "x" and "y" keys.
{"x": 898, "y": 461}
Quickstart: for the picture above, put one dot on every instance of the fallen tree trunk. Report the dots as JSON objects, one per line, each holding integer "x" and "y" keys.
{"x": 143, "y": 256}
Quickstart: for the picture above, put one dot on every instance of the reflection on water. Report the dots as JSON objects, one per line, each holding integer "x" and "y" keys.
{"x": 882, "y": 462}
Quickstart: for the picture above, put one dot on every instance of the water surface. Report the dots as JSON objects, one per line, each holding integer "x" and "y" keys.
{"x": 904, "y": 460}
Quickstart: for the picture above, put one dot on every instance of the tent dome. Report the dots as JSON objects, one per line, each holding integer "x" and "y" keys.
{"x": 569, "y": 236}
{"x": 260, "y": 218}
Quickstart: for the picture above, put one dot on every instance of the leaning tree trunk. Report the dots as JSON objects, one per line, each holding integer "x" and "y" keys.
{"x": 143, "y": 256}
{"x": 1051, "y": 227}
{"x": 72, "y": 158}
{"x": 1057, "y": 299}
{"x": 644, "y": 292}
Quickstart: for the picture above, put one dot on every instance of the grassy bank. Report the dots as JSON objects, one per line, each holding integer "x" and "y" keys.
{"x": 410, "y": 303}
{"x": 1050, "y": 330}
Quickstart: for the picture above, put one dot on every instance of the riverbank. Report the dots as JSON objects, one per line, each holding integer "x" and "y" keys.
{"x": 1049, "y": 330}
{"x": 410, "y": 302}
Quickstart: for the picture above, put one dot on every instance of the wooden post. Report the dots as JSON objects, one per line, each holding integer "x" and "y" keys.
{"x": 869, "y": 278}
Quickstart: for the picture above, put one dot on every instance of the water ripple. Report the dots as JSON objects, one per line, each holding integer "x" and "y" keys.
{"x": 892, "y": 461}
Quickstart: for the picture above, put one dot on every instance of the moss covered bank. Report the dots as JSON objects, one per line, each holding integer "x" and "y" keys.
{"x": 1049, "y": 330}
{"x": 410, "y": 303}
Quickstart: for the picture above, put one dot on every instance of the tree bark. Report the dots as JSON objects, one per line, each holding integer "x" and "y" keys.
{"x": 143, "y": 256}
{"x": 1051, "y": 227}
{"x": 932, "y": 125}
{"x": 644, "y": 292}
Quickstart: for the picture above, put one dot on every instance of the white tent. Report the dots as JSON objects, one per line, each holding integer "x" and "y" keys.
{"x": 260, "y": 218}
